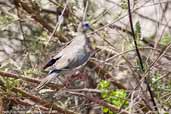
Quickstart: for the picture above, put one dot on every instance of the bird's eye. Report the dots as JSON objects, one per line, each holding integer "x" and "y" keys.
{"x": 86, "y": 26}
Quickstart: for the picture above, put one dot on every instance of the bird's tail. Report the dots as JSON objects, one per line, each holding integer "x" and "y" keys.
{"x": 46, "y": 80}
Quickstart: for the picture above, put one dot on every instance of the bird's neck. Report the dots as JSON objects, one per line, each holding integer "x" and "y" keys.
{"x": 83, "y": 37}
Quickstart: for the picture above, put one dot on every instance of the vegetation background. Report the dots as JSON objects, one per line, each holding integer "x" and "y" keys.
{"x": 112, "y": 81}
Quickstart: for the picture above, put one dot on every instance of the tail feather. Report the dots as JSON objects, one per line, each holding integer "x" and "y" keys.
{"x": 46, "y": 80}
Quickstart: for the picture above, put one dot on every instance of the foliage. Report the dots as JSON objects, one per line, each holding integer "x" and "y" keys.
{"x": 138, "y": 34}
{"x": 166, "y": 39}
{"x": 25, "y": 29}
{"x": 138, "y": 30}
{"x": 124, "y": 4}
{"x": 5, "y": 20}
{"x": 10, "y": 83}
{"x": 162, "y": 88}
{"x": 115, "y": 97}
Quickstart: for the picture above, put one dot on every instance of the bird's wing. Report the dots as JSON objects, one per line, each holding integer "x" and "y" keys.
{"x": 51, "y": 62}
{"x": 65, "y": 61}
{"x": 56, "y": 57}
{"x": 68, "y": 55}
{"x": 72, "y": 58}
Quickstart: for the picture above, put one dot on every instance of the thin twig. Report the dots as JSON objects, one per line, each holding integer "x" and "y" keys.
{"x": 100, "y": 102}
{"x": 58, "y": 24}
{"x": 15, "y": 76}
{"x": 104, "y": 74}
{"x": 139, "y": 56}
{"x": 85, "y": 10}
{"x": 24, "y": 103}
{"x": 43, "y": 102}
{"x": 38, "y": 18}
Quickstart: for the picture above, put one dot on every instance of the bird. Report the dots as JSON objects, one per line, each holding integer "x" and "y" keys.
{"x": 75, "y": 54}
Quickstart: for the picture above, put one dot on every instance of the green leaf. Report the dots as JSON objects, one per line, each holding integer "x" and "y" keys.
{"x": 105, "y": 110}
{"x": 114, "y": 97}
{"x": 138, "y": 30}
{"x": 104, "y": 94}
{"x": 166, "y": 39}
{"x": 104, "y": 84}
{"x": 124, "y": 4}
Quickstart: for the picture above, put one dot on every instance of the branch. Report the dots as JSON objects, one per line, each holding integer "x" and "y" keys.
{"x": 44, "y": 102}
{"x": 101, "y": 102}
{"x": 104, "y": 74}
{"x": 1, "y": 105}
{"x": 35, "y": 14}
{"x": 18, "y": 101}
{"x": 139, "y": 56}
{"x": 12, "y": 75}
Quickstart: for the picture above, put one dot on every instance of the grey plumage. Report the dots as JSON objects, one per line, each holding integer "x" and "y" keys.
{"x": 73, "y": 55}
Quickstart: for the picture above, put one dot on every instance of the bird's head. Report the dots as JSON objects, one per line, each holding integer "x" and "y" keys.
{"x": 84, "y": 26}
